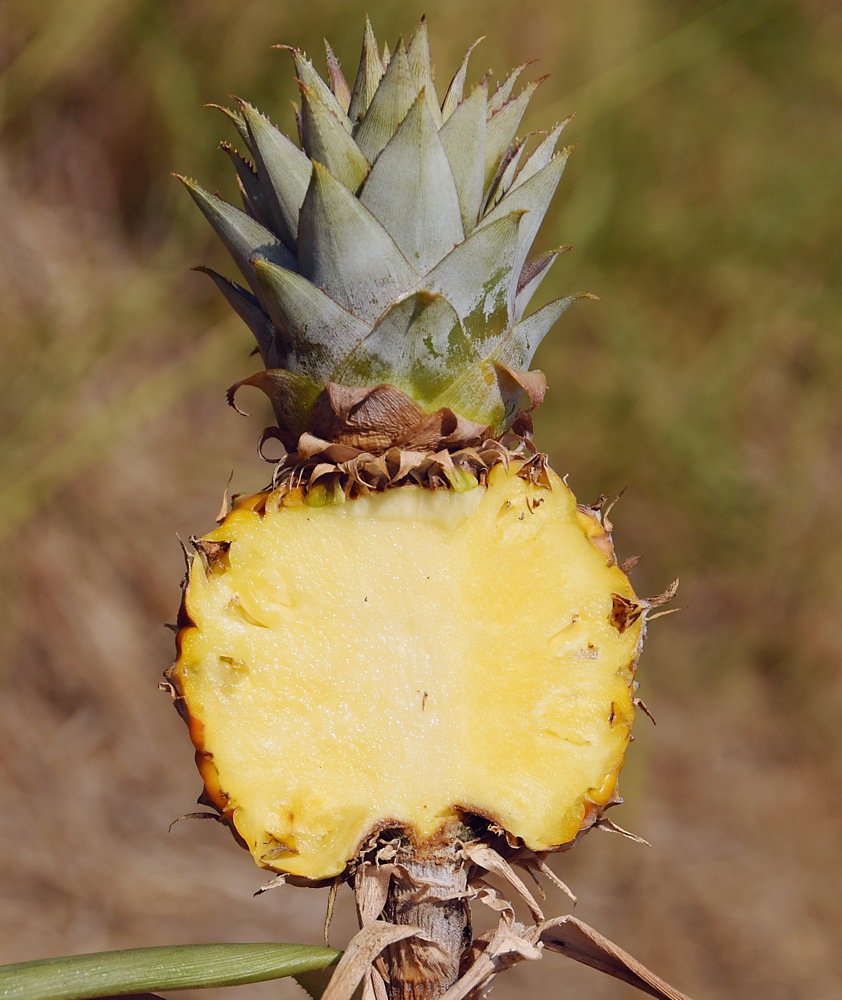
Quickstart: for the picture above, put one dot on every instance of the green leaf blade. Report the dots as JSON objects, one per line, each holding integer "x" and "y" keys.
{"x": 175, "y": 967}
{"x": 412, "y": 193}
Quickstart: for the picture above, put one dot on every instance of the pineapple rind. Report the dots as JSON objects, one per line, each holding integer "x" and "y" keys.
{"x": 403, "y": 659}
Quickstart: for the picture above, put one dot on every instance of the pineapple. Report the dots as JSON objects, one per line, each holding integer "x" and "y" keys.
{"x": 415, "y": 637}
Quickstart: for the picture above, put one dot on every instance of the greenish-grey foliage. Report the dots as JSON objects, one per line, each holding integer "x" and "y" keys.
{"x": 176, "y": 967}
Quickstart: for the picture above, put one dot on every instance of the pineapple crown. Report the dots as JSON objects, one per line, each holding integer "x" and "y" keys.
{"x": 386, "y": 257}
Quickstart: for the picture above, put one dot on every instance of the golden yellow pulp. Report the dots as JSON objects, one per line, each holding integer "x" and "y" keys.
{"x": 404, "y": 658}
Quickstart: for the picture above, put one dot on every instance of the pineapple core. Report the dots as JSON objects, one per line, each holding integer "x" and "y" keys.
{"x": 404, "y": 659}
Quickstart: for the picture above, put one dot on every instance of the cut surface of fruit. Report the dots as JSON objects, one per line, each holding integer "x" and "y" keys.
{"x": 404, "y": 659}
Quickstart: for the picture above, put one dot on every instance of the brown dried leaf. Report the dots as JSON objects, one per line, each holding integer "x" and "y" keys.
{"x": 624, "y": 613}
{"x": 641, "y": 704}
{"x": 377, "y": 419}
{"x": 533, "y": 383}
{"x": 603, "y": 823}
{"x": 578, "y": 941}
{"x": 371, "y": 419}
{"x": 494, "y": 952}
{"x": 536, "y": 864}
{"x": 225, "y": 507}
{"x": 292, "y": 395}
{"x": 371, "y": 888}
{"x": 331, "y": 903}
{"x": 365, "y": 946}
{"x": 666, "y": 597}
{"x": 374, "y": 988}
{"x": 487, "y": 858}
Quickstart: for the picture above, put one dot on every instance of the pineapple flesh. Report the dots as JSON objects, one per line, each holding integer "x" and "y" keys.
{"x": 415, "y": 628}
{"x": 404, "y": 659}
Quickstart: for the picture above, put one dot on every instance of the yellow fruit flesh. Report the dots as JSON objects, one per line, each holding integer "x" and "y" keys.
{"x": 404, "y": 657}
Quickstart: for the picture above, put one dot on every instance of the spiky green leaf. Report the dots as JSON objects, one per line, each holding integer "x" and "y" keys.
{"x": 244, "y": 238}
{"x": 419, "y": 346}
{"x": 541, "y": 156}
{"x": 316, "y": 332}
{"x": 338, "y": 83}
{"x": 453, "y": 97}
{"x": 522, "y": 341}
{"x": 307, "y": 74}
{"x": 326, "y": 140}
{"x": 393, "y": 98}
{"x": 246, "y": 306}
{"x": 412, "y": 192}
{"x": 344, "y": 250}
{"x": 284, "y": 172}
{"x": 533, "y": 199}
{"x": 369, "y": 76}
{"x": 504, "y": 90}
{"x": 506, "y": 174}
{"x": 236, "y": 120}
{"x": 418, "y": 55}
{"x": 249, "y": 184}
{"x": 501, "y": 130}
{"x": 532, "y": 274}
{"x": 463, "y": 138}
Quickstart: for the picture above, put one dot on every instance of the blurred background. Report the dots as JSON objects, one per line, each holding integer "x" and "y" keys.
{"x": 704, "y": 204}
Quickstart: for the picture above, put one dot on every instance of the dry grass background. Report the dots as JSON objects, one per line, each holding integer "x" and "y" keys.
{"x": 704, "y": 204}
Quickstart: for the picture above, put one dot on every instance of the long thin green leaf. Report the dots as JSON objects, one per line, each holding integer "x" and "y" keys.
{"x": 246, "y": 306}
{"x": 175, "y": 967}
{"x": 518, "y": 347}
{"x": 504, "y": 90}
{"x": 533, "y": 198}
{"x": 310, "y": 78}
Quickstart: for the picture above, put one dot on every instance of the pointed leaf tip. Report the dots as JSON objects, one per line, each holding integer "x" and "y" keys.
{"x": 327, "y": 141}
{"x": 247, "y": 307}
{"x": 369, "y": 74}
{"x": 317, "y": 332}
{"x": 283, "y": 172}
{"x": 338, "y": 83}
{"x": 395, "y": 94}
{"x": 414, "y": 170}
{"x": 453, "y": 97}
{"x": 243, "y": 237}
{"x": 333, "y": 226}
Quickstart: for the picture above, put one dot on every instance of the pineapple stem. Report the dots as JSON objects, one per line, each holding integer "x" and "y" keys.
{"x": 427, "y": 892}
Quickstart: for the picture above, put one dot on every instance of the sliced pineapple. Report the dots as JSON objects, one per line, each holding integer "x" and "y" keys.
{"x": 403, "y": 659}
